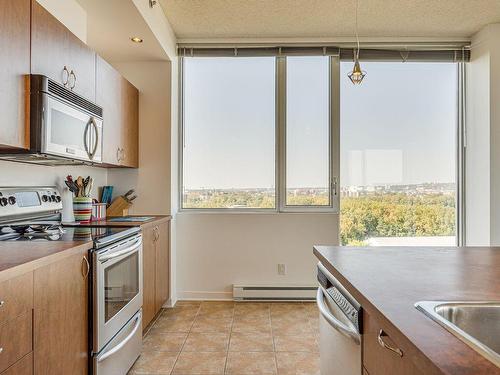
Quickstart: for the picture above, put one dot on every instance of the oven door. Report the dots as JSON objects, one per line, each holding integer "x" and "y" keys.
{"x": 117, "y": 288}
{"x": 70, "y": 132}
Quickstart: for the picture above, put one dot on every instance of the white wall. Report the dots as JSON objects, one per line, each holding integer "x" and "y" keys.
{"x": 152, "y": 179}
{"x": 483, "y": 139}
{"x": 215, "y": 251}
{"x": 70, "y": 14}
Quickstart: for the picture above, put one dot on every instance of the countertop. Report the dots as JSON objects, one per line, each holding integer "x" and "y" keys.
{"x": 388, "y": 281}
{"x": 107, "y": 223}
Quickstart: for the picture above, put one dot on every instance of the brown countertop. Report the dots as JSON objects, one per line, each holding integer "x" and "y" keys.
{"x": 106, "y": 223}
{"x": 18, "y": 257}
{"x": 388, "y": 281}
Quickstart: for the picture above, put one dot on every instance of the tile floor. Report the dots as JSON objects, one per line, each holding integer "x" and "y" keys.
{"x": 242, "y": 338}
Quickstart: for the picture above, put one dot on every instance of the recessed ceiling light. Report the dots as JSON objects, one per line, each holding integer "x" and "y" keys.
{"x": 136, "y": 39}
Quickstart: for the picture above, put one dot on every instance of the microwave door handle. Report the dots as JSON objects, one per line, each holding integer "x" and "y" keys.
{"x": 119, "y": 253}
{"x": 96, "y": 143}
{"x": 124, "y": 342}
{"x": 86, "y": 135}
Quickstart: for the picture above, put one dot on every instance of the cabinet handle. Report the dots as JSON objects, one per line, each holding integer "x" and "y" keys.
{"x": 65, "y": 76}
{"x": 1, "y": 350}
{"x": 385, "y": 346}
{"x": 87, "y": 267}
{"x": 2, "y": 302}
{"x": 118, "y": 154}
{"x": 123, "y": 154}
{"x": 157, "y": 234}
{"x": 72, "y": 74}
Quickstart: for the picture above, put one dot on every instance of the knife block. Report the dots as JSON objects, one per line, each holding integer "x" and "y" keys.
{"x": 119, "y": 207}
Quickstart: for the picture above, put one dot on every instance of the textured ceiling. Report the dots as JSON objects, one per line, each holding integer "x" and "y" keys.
{"x": 213, "y": 19}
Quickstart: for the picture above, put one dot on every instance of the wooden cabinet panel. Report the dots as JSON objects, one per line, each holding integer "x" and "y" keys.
{"x": 15, "y": 68}
{"x": 53, "y": 47}
{"x": 162, "y": 265}
{"x": 120, "y": 101}
{"x": 16, "y": 296}
{"x": 381, "y": 361}
{"x": 15, "y": 339}
{"x": 23, "y": 367}
{"x": 148, "y": 265}
{"x": 61, "y": 317}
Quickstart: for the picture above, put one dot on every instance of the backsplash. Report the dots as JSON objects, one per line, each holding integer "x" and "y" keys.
{"x": 19, "y": 174}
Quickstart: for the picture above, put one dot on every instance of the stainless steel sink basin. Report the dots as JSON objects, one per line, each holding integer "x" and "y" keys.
{"x": 475, "y": 323}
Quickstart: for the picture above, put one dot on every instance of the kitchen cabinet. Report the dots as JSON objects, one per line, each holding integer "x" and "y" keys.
{"x": 156, "y": 262}
{"x": 120, "y": 102}
{"x": 22, "y": 367}
{"x": 61, "y": 316}
{"x": 60, "y": 55}
{"x": 393, "y": 359}
{"x": 15, "y": 68}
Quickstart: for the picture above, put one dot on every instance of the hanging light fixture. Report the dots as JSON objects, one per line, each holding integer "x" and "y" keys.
{"x": 357, "y": 75}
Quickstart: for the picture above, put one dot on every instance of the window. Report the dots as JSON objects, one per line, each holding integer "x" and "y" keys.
{"x": 399, "y": 155}
{"x": 307, "y": 131}
{"x": 229, "y": 133}
{"x": 234, "y": 128}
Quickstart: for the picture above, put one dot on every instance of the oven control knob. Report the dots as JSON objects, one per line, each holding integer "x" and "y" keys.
{"x": 3, "y": 201}
{"x": 12, "y": 200}
{"x": 58, "y": 198}
{"x": 45, "y": 198}
{"x": 53, "y": 198}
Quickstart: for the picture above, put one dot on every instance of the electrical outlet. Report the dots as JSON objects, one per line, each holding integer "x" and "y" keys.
{"x": 281, "y": 269}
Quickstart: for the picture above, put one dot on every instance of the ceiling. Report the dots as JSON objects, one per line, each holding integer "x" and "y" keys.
{"x": 223, "y": 19}
{"x": 111, "y": 24}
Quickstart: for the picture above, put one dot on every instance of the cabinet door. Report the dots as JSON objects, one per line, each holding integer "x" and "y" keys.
{"x": 162, "y": 265}
{"x": 61, "y": 316}
{"x": 53, "y": 47}
{"x": 14, "y": 71}
{"x": 108, "y": 96}
{"x": 130, "y": 130}
{"x": 148, "y": 264}
{"x": 378, "y": 360}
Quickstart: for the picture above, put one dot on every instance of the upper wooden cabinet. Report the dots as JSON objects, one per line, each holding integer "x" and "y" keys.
{"x": 56, "y": 52}
{"x": 120, "y": 102}
{"x": 14, "y": 70}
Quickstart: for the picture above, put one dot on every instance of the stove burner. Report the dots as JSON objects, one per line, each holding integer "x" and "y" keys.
{"x": 50, "y": 232}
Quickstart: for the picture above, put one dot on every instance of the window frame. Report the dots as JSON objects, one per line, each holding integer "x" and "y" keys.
{"x": 280, "y": 145}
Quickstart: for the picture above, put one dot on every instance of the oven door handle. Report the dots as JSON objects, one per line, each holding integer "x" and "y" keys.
{"x": 116, "y": 254}
{"x": 333, "y": 321}
{"x": 118, "y": 347}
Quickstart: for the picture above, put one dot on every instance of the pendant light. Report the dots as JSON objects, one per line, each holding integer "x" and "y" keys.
{"x": 357, "y": 75}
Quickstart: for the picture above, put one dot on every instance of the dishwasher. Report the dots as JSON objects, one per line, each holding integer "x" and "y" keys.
{"x": 339, "y": 327}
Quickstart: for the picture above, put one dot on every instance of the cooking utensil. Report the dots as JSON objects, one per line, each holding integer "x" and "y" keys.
{"x": 79, "y": 183}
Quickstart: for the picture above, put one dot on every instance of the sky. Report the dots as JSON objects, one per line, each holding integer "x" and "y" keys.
{"x": 398, "y": 127}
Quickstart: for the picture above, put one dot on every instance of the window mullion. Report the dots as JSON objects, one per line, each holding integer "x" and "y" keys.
{"x": 281, "y": 133}
{"x": 335, "y": 133}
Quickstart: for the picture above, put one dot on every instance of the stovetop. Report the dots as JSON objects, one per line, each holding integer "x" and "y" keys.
{"x": 101, "y": 236}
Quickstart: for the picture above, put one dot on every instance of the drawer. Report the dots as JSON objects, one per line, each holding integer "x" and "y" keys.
{"x": 16, "y": 296}
{"x": 16, "y": 339}
{"x": 380, "y": 360}
{"x": 23, "y": 367}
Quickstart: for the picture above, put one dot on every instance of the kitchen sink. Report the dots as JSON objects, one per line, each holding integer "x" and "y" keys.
{"x": 475, "y": 323}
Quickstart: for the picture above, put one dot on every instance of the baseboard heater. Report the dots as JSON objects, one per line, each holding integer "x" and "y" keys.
{"x": 274, "y": 293}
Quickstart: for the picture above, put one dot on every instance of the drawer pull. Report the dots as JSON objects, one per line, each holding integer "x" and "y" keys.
{"x": 1, "y": 350}
{"x": 385, "y": 346}
{"x": 2, "y": 302}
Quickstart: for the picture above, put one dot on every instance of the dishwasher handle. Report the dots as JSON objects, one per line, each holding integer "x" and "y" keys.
{"x": 342, "y": 328}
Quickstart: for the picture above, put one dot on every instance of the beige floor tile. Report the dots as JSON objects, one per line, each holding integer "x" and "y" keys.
{"x": 188, "y": 303}
{"x": 191, "y": 363}
{"x": 291, "y": 326}
{"x": 205, "y": 325}
{"x": 164, "y": 342}
{"x": 154, "y": 363}
{"x": 296, "y": 343}
{"x": 252, "y": 325}
{"x": 298, "y": 363}
{"x": 188, "y": 312}
{"x": 251, "y": 342}
{"x": 164, "y": 325}
{"x": 241, "y": 363}
{"x": 206, "y": 342}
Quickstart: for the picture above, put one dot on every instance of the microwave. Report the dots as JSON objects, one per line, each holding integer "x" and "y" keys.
{"x": 65, "y": 128}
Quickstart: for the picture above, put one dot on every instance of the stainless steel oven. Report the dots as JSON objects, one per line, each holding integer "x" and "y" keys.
{"x": 117, "y": 302}
{"x": 65, "y": 128}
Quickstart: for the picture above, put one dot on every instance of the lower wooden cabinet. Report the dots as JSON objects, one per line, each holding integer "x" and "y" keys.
{"x": 23, "y": 367}
{"x": 16, "y": 339}
{"x": 387, "y": 356}
{"x": 156, "y": 265}
{"x": 61, "y": 316}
